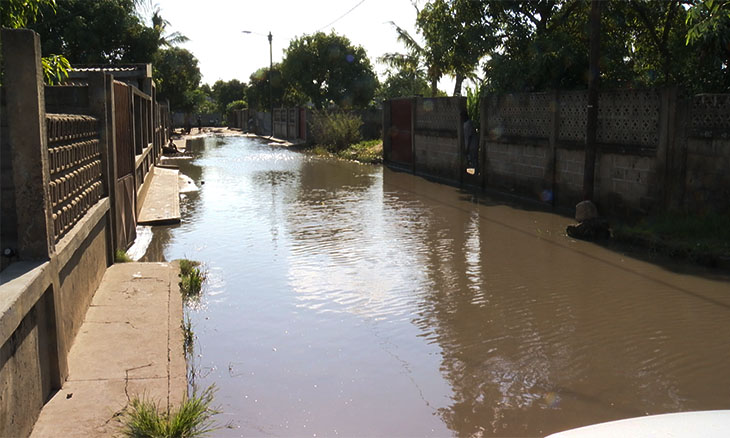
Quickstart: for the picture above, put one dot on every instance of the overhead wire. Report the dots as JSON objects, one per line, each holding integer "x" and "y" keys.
{"x": 341, "y": 16}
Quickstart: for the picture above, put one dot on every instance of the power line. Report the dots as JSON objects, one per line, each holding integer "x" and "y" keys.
{"x": 341, "y": 16}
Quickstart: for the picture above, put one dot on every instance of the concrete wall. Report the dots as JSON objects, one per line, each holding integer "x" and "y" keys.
{"x": 58, "y": 179}
{"x": 435, "y": 131}
{"x": 656, "y": 151}
{"x": 438, "y": 127}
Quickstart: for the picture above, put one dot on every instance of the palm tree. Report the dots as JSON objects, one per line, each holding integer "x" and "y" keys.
{"x": 165, "y": 40}
{"x": 417, "y": 59}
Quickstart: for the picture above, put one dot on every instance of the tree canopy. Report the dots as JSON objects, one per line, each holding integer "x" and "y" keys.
{"x": 543, "y": 44}
{"x": 327, "y": 68}
{"x": 177, "y": 76}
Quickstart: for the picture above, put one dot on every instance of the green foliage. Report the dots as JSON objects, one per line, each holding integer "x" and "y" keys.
{"x": 177, "y": 76}
{"x": 258, "y": 93}
{"x": 709, "y": 20}
{"x": 20, "y": 13}
{"x": 367, "y": 151}
{"x": 224, "y": 93}
{"x": 543, "y": 45}
{"x": 236, "y": 105}
{"x": 328, "y": 69}
{"x": 403, "y": 83}
{"x": 191, "y": 279}
{"x": 335, "y": 130}
{"x": 108, "y": 31}
{"x": 121, "y": 257}
{"x": 188, "y": 336}
{"x": 186, "y": 266}
{"x": 456, "y": 37}
{"x": 472, "y": 104}
{"x": 194, "y": 418}
{"x": 55, "y": 69}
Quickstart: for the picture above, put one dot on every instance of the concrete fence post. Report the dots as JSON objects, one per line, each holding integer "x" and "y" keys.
{"x": 101, "y": 101}
{"x": 668, "y": 163}
{"x": 552, "y": 156}
{"x": 483, "y": 138}
{"x": 26, "y": 113}
{"x": 414, "y": 107}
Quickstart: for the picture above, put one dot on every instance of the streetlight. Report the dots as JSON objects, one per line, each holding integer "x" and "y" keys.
{"x": 271, "y": 68}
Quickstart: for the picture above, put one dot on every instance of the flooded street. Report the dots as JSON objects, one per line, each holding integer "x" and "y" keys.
{"x": 347, "y": 299}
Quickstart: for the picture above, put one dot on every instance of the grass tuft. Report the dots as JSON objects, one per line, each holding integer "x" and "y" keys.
{"x": 194, "y": 418}
{"x": 187, "y": 265}
{"x": 121, "y": 257}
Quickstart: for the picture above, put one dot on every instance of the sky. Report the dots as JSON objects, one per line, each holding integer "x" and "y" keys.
{"x": 225, "y": 52}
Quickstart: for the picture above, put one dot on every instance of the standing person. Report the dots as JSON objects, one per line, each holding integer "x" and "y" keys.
{"x": 471, "y": 147}
{"x": 200, "y": 125}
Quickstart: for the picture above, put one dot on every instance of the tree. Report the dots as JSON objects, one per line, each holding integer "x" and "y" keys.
{"x": 327, "y": 68}
{"x": 403, "y": 83}
{"x": 258, "y": 93}
{"x": 177, "y": 76}
{"x": 164, "y": 39}
{"x": 428, "y": 58}
{"x": 20, "y": 13}
{"x": 224, "y": 93}
{"x": 455, "y": 31}
{"x": 101, "y": 31}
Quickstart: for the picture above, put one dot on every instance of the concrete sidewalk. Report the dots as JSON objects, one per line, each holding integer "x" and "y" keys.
{"x": 161, "y": 203}
{"x": 130, "y": 344}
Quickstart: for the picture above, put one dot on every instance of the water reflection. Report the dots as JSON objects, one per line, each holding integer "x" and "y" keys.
{"x": 350, "y": 299}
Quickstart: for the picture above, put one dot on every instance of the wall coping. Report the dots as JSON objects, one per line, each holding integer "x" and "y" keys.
{"x": 23, "y": 283}
{"x": 21, "y": 286}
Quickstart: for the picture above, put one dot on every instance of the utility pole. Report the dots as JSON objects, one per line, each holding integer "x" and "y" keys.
{"x": 592, "y": 113}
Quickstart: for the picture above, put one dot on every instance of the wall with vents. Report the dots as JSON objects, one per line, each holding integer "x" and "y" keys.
{"x": 655, "y": 150}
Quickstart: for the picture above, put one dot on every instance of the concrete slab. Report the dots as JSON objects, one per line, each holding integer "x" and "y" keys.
{"x": 161, "y": 204}
{"x": 130, "y": 344}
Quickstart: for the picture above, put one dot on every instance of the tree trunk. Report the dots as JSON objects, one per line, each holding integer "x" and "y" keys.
{"x": 457, "y": 85}
{"x": 434, "y": 87}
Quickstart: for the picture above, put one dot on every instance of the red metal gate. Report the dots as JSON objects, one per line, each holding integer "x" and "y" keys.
{"x": 124, "y": 186}
{"x": 400, "y": 129}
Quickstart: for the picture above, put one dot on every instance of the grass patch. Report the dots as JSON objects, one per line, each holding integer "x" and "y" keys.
{"x": 194, "y": 418}
{"x": 121, "y": 257}
{"x": 701, "y": 238}
{"x": 191, "y": 279}
{"x": 368, "y": 151}
{"x": 187, "y": 265}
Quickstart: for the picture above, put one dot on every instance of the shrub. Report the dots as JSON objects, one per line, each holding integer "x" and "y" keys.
{"x": 336, "y": 130}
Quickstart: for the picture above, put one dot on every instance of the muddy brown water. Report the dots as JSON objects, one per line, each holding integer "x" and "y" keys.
{"x": 347, "y": 299}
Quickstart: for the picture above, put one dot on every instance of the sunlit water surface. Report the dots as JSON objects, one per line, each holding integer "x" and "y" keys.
{"x": 347, "y": 299}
